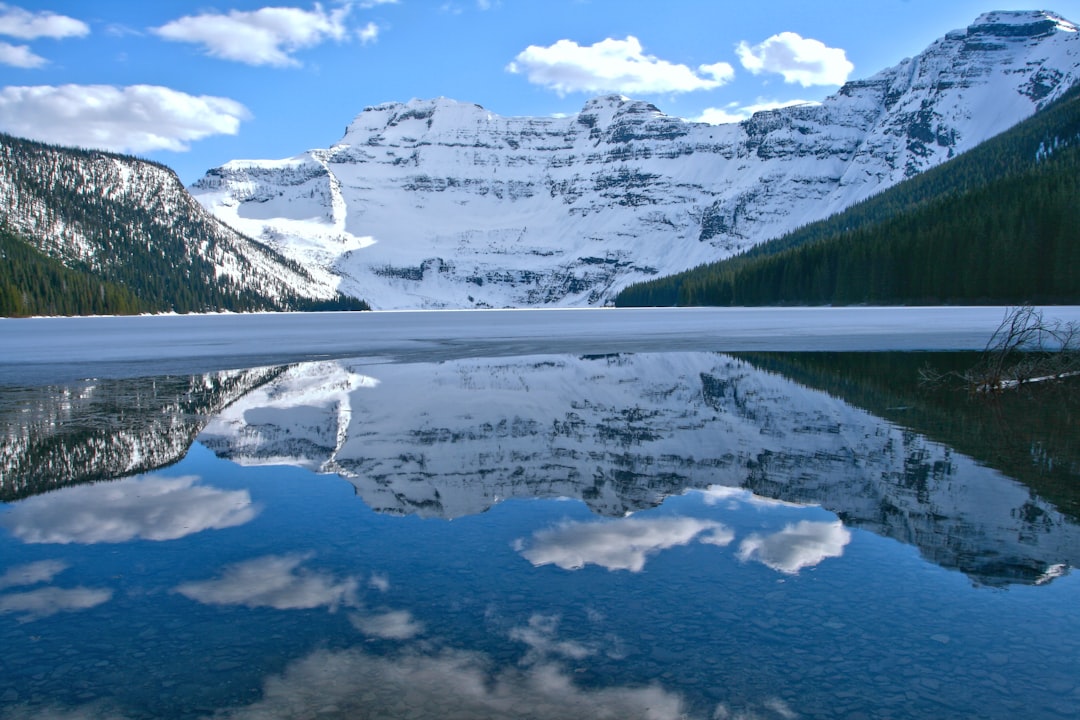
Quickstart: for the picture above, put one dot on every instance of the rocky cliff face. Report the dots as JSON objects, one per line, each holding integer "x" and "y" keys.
{"x": 621, "y": 433}
{"x": 436, "y": 203}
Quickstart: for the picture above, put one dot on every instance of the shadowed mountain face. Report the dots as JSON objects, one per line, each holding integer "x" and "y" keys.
{"x": 438, "y": 203}
{"x": 622, "y": 433}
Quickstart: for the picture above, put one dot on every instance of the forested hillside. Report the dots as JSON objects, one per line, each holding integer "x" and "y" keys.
{"x": 88, "y": 232}
{"x": 31, "y": 283}
{"x": 997, "y": 224}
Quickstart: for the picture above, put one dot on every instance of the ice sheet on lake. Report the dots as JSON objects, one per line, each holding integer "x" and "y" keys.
{"x": 43, "y": 350}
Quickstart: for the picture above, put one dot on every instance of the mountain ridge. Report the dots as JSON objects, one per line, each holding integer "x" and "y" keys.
{"x": 991, "y": 226}
{"x": 438, "y": 203}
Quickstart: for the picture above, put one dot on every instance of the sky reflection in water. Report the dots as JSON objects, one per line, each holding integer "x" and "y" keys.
{"x": 633, "y": 537}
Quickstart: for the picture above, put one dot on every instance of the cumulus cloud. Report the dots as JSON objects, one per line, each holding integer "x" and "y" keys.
{"x": 144, "y": 509}
{"x": 391, "y": 625}
{"x": 20, "y": 56}
{"x": 734, "y": 112}
{"x": 368, "y": 33}
{"x": 357, "y": 684}
{"x": 137, "y": 118}
{"x": 46, "y": 601}
{"x": 620, "y": 544}
{"x": 20, "y": 23}
{"x": 613, "y": 66}
{"x": 268, "y": 36}
{"x": 804, "y": 544}
{"x": 276, "y": 581}
{"x": 799, "y": 60}
{"x": 33, "y": 573}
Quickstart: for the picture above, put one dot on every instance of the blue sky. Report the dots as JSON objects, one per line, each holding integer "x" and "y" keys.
{"x": 194, "y": 84}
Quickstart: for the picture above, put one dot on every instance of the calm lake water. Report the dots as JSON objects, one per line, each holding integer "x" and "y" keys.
{"x": 541, "y": 535}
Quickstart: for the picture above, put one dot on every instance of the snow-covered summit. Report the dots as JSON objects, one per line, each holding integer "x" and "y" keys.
{"x": 440, "y": 203}
{"x": 415, "y": 116}
{"x": 1020, "y": 23}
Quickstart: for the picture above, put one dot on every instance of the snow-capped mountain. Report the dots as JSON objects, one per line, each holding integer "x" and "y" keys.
{"x": 437, "y": 203}
{"x": 621, "y": 433}
{"x": 132, "y": 221}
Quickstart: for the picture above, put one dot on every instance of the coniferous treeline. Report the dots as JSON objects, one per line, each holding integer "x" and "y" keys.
{"x": 32, "y": 283}
{"x": 997, "y": 224}
{"x": 141, "y": 234}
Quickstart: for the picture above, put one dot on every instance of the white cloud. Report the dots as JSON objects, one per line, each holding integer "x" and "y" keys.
{"x": 803, "y": 544}
{"x": 19, "y": 56}
{"x": 539, "y": 635}
{"x": 47, "y": 601}
{"x": 268, "y": 36}
{"x": 392, "y": 625}
{"x": 800, "y": 60}
{"x": 620, "y": 544}
{"x": 16, "y": 22}
{"x": 357, "y": 684}
{"x": 368, "y": 33}
{"x": 32, "y": 573}
{"x": 613, "y": 66}
{"x": 734, "y": 112}
{"x": 275, "y": 581}
{"x": 137, "y": 118}
{"x": 146, "y": 509}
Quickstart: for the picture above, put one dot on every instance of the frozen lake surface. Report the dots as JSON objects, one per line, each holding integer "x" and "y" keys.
{"x": 53, "y": 349}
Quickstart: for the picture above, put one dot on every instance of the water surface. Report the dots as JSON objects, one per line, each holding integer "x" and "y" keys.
{"x": 549, "y": 535}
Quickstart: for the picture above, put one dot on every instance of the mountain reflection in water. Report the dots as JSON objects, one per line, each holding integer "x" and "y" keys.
{"x": 650, "y": 535}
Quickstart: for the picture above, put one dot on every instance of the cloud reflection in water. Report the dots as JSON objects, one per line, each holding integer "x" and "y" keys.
{"x": 32, "y": 573}
{"x": 620, "y": 544}
{"x": 47, "y": 601}
{"x": 539, "y": 636}
{"x": 390, "y": 625}
{"x": 447, "y": 683}
{"x": 276, "y": 581}
{"x": 804, "y": 544}
{"x": 124, "y": 510}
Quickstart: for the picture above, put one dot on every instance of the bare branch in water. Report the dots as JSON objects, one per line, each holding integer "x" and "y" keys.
{"x": 1025, "y": 348}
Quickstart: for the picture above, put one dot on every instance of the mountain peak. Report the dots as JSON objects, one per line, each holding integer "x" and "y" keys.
{"x": 418, "y": 115}
{"x": 1020, "y": 24}
{"x": 605, "y": 102}
{"x": 454, "y": 206}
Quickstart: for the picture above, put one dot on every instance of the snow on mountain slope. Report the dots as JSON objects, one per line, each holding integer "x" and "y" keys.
{"x": 437, "y": 203}
{"x": 621, "y": 433}
{"x": 101, "y": 210}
